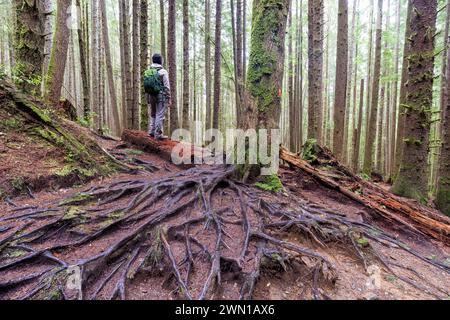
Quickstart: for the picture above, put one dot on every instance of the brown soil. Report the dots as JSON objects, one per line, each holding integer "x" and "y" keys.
{"x": 165, "y": 245}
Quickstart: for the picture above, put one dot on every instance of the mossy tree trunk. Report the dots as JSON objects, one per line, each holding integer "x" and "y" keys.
{"x": 28, "y": 45}
{"x": 412, "y": 180}
{"x": 55, "y": 73}
{"x": 315, "y": 68}
{"x": 266, "y": 64}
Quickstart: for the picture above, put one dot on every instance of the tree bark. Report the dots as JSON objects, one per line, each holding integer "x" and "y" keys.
{"x": 186, "y": 63}
{"x": 144, "y": 60}
{"x": 172, "y": 56}
{"x": 109, "y": 70}
{"x": 136, "y": 66}
{"x": 372, "y": 123}
{"x": 358, "y": 131}
{"x": 28, "y": 45}
{"x": 84, "y": 65}
{"x": 341, "y": 81}
{"x": 266, "y": 65}
{"x": 55, "y": 72}
{"x": 208, "y": 86}
{"x": 443, "y": 185}
{"x": 217, "y": 66}
{"x": 412, "y": 181}
{"x": 315, "y": 68}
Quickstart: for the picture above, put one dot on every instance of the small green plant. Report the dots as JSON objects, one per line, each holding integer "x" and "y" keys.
{"x": 270, "y": 183}
{"x": 11, "y": 123}
{"x": 18, "y": 183}
{"x": 310, "y": 150}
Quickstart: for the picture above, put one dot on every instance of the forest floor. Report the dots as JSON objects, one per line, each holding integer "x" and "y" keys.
{"x": 165, "y": 232}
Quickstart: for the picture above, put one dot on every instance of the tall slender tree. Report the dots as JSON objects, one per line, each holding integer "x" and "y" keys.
{"x": 109, "y": 69}
{"x": 315, "y": 68}
{"x": 443, "y": 185}
{"x": 144, "y": 59}
{"x": 172, "y": 57}
{"x": 372, "y": 124}
{"x": 217, "y": 66}
{"x": 341, "y": 80}
{"x": 208, "y": 86}
{"x": 135, "y": 107}
{"x": 186, "y": 64}
{"x": 54, "y": 78}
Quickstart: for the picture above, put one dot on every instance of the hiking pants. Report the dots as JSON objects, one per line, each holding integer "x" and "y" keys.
{"x": 157, "y": 110}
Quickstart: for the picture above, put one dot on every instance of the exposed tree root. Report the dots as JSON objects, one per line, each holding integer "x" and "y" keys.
{"x": 198, "y": 227}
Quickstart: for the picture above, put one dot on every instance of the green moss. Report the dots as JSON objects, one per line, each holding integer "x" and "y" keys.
{"x": 310, "y": 150}
{"x": 404, "y": 188}
{"x": 10, "y": 124}
{"x": 18, "y": 183}
{"x": 263, "y": 62}
{"x": 363, "y": 242}
{"x": 271, "y": 183}
{"x": 134, "y": 152}
{"x": 443, "y": 196}
{"x": 77, "y": 200}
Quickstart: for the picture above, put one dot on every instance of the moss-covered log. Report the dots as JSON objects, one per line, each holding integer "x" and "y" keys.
{"x": 79, "y": 157}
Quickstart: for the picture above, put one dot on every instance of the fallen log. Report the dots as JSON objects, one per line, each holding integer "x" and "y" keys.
{"x": 416, "y": 217}
{"x": 188, "y": 154}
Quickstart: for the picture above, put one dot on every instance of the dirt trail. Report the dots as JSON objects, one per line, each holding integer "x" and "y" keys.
{"x": 166, "y": 233}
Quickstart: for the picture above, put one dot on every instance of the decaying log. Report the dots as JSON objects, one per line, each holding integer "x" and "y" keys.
{"x": 416, "y": 217}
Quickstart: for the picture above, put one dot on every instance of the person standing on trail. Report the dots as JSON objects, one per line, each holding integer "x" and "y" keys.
{"x": 157, "y": 88}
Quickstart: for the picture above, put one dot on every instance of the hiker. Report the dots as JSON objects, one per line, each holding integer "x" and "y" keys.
{"x": 157, "y": 88}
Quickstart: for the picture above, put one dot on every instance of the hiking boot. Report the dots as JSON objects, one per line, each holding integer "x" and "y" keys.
{"x": 151, "y": 134}
{"x": 161, "y": 137}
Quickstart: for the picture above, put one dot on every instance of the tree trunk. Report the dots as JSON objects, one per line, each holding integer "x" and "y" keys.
{"x": 136, "y": 66}
{"x": 403, "y": 93}
{"x": 162, "y": 18}
{"x": 109, "y": 69}
{"x": 443, "y": 185}
{"x": 315, "y": 68}
{"x": 94, "y": 66}
{"x": 266, "y": 65}
{"x": 341, "y": 81}
{"x": 372, "y": 122}
{"x": 217, "y": 65}
{"x": 144, "y": 52}
{"x": 83, "y": 60}
{"x": 172, "y": 56}
{"x": 186, "y": 87}
{"x": 208, "y": 64}
{"x": 28, "y": 45}
{"x": 357, "y": 132}
{"x": 412, "y": 181}
{"x": 58, "y": 58}
{"x": 395, "y": 95}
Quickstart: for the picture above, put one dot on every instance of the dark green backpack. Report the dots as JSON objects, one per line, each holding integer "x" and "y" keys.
{"x": 152, "y": 82}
